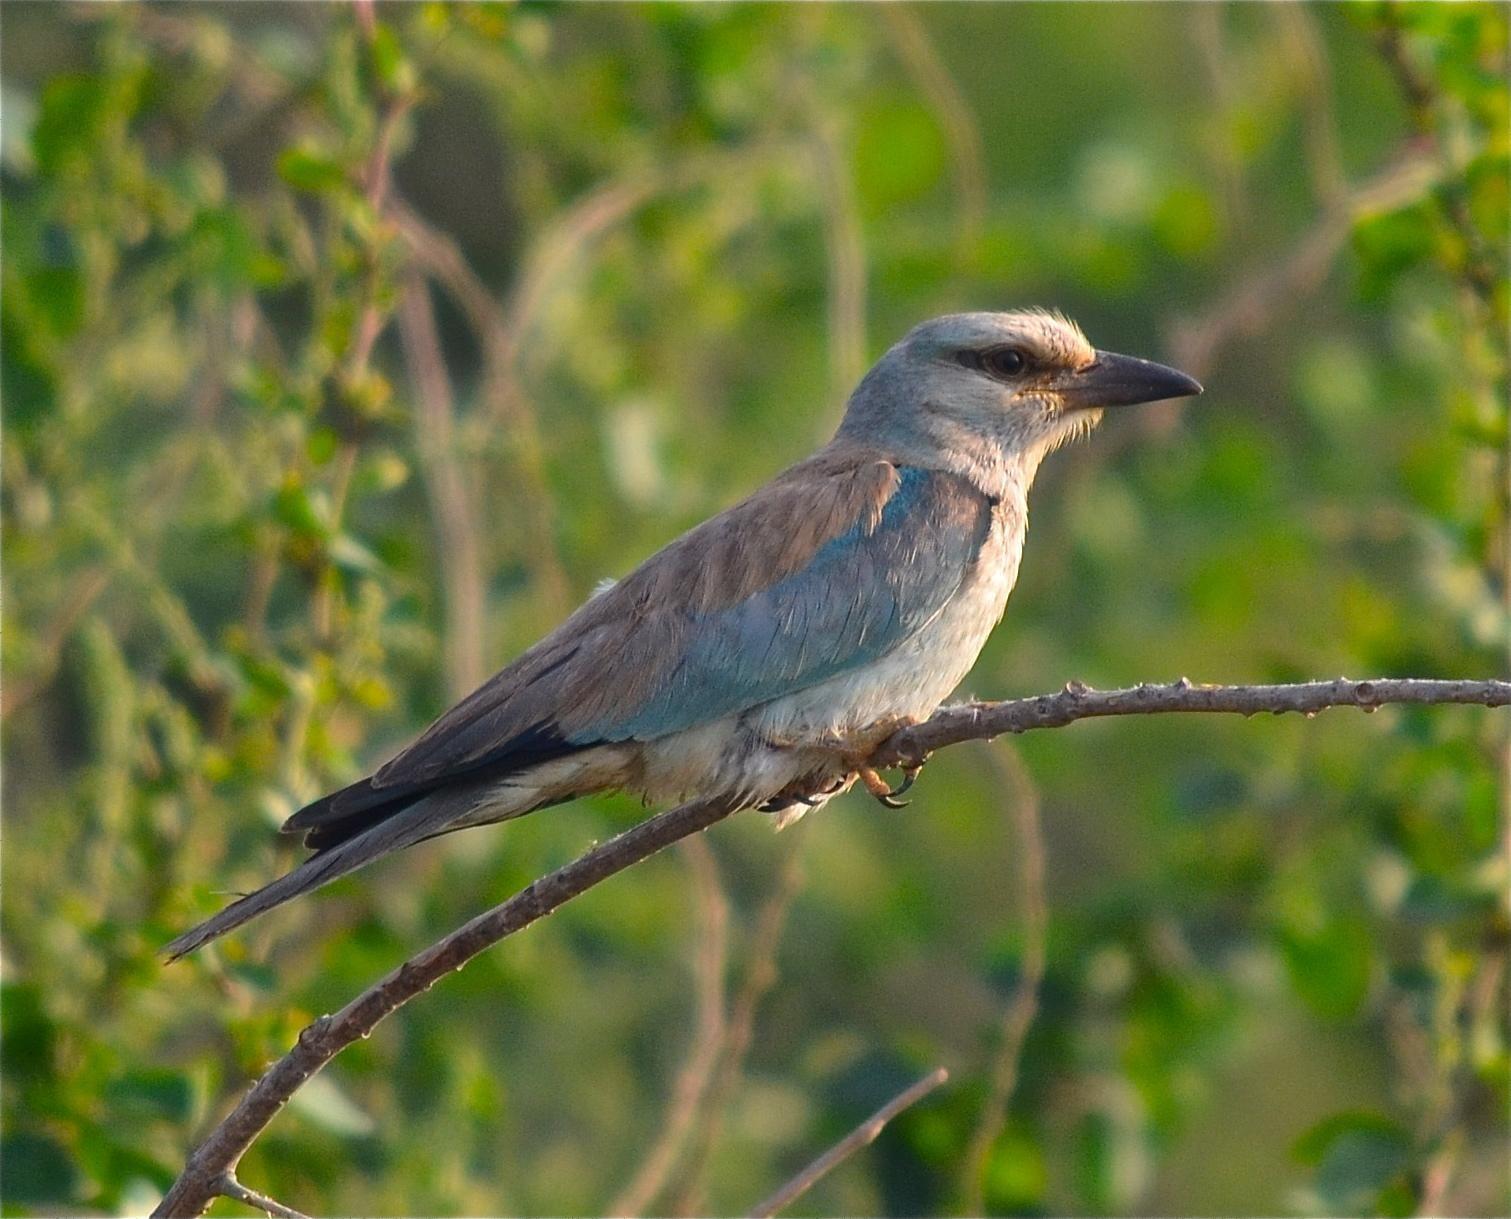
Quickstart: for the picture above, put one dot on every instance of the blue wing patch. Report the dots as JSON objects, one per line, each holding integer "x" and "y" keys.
{"x": 863, "y": 593}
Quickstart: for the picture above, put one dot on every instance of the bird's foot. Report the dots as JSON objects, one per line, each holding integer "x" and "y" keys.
{"x": 884, "y": 792}
{"x": 856, "y": 750}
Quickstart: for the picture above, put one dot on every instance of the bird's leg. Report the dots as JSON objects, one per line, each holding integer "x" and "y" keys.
{"x": 858, "y": 760}
{"x": 854, "y": 752}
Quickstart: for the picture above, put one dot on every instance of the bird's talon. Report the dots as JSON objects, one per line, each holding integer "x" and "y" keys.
{"x": 909, "y": 777}
{"x": 883, "y": 791}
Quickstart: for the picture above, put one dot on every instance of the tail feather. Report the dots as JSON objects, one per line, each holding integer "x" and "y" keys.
{"x": 427, "y": 817}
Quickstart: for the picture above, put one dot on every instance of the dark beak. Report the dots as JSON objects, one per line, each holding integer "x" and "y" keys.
{"x": 1114, "y": 380}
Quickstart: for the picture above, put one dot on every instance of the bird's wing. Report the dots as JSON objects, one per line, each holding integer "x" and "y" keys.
{"x": 826, "y": 569}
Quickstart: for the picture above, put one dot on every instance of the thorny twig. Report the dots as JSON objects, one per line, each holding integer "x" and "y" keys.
{"x": 229, "y": 1187}
{"x": 321, "y": 1041}
{"x": 982, "y": 721}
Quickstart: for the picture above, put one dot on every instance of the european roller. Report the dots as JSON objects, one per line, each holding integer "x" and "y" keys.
{"x": 762, "y": 656}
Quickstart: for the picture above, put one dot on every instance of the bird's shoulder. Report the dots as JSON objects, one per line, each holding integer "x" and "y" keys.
{"x": 775, "y": 533}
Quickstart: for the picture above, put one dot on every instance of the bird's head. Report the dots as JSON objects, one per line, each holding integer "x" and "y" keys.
{"x": 998, "y": 390}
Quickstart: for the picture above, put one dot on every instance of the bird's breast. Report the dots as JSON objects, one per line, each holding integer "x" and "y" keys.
{"x": 914, "y": 678}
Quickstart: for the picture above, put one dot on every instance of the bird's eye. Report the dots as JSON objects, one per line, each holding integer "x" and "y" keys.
{"x": 1004, "y": 362}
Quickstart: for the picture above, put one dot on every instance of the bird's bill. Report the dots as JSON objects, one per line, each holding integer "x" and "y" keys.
{"x": 1114, "y": 380}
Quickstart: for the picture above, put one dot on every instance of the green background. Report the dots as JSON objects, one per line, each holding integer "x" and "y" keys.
{"x": 246, "y": 557}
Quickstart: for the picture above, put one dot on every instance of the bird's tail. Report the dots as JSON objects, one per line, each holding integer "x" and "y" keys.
{"x": 431, "y": 815}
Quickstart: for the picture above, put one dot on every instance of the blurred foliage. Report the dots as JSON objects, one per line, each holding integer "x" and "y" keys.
{"x": 1276, "y": 974}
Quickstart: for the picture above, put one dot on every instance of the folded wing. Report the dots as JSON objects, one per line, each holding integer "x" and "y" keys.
{"x": 822, "y": 571}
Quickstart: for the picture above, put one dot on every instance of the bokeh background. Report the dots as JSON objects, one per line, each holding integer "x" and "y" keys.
{"x": 345, "y": 350}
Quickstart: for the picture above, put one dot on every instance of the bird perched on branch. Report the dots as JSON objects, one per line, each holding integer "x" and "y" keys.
{"x": 761, "y": 657}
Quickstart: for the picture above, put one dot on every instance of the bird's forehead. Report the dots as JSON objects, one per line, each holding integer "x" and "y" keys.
{"x": 1049, "y": 335}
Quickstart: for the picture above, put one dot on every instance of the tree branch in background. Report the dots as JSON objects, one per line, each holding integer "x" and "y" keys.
{"x": 501, "y": 331}
{"x": 760, "y": 977}
{"x": 845, "y": 253}
{"x": 82, "y": 593}
{"x": 199, "y": 1184}
{"x": 372, "y": 318}
{"x": 1027, "y": 848}
{"x": 961, "y": 133}
{"x": 1306, "y": 53}
{"x": 1481, "y": 266}
{"x": 1257, "y": 298}
{"x": 458, "y": 548}
{"x": 862, "y": 1136}
{"x": 708, "y": 1037}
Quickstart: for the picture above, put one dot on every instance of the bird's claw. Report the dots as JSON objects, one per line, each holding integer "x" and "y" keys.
{"x": 884, "y": 792}
{"x": 909, "y": 777}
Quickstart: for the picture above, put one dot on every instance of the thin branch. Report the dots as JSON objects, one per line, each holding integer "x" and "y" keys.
{"x": 229, "y": 1187}
{"x": 862, "y": 1136}
{"x": 982, "y": 721}
{"x": 1018, "y": 1016}
{"x": 708, "y": 1038}
{"x": 458, "y": 549}
{"x": 376, "y": 179}
{"x": 326, "y": 1037}
{"x": 760, "y": 977}
{"x": 372, "y": 318}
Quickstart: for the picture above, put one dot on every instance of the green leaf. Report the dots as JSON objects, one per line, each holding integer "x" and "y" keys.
{"x": 308, "y": 170}
{"x": 30, "y": 1035}
{"x": 390, "y": 64}
{"x": 72, "y": 114}
{"x": 1390, "y": 244}
{"x": 1329, "y": 967}
{"x": 352, "y": 556}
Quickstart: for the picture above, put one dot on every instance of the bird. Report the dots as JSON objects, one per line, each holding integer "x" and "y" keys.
{"x": 762, "y": 656}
